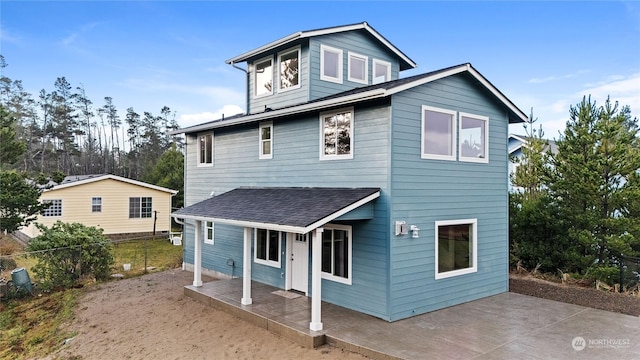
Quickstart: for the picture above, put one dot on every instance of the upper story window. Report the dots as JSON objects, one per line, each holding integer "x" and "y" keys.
{"x": 336, "y": 134}
{"x": 96, "y": 204}
{"x": 358, "y": 68}
{"x": 266, "y": 140}
{"x": 381, "y": 71}
{"x": 266, "y": 247}
{"x": 438, "y": 133}
{"x": 336, "y": 253}
{"x": 289, "y": 71}
{"x": 474, "y": 144}
{"x": 263, "y": 77}
{"x": 208, "y": 232}
{"x": 205, "y": 150}
{"x": 140, "y": 207}
{"x": 54, "y": 209}
{"x": 330, "y": 64}
{"x": 456, "y": 247}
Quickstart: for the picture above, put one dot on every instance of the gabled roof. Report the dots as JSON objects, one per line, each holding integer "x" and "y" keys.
{"x": 291, "y": 209}
{"x": 405, "y": 63}
{"x": 78, "y": 180}
{"x": 366, "y": 93}
{"x": 522, "y": 141}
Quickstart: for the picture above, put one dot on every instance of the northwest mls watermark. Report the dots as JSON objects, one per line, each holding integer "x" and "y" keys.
{"x": 579, "y": 343}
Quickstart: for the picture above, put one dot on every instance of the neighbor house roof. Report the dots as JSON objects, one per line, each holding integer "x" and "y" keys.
{"x": 291, "y": 209}
{"x": 77, "y": 180}
{"x": 366, "y": 93}
{"x": 522, "y": 141}
{"x": 405, "y": 63}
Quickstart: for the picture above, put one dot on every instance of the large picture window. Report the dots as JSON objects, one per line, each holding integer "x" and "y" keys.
{"x": 289, "y": 69}
{"x": 336, "y": 253}
{"x": 336, "y": 130}
{"x": 330, "y": 64}
{"x": 263, "y": 79}
{"x": 54, "y": 209}
{"x": 438, "y": 133}
{"x": 140, "y": 207}
{"x": 205, "y": 150}
{"x": 474, "y": 144}
{"x": 456, "y": 247}
{"x": 266, "y": 247}
{"x": 266, "y": 140}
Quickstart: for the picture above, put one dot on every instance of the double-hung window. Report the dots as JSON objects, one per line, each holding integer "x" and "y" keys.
{"x": 140, "y": 207}
{"x": 96, "y": 204}
{"x": 474, "y": 144}
{"x": 266, "y": 247}
{"x": 289, "y": 71}
{"x": 263, "y": 77}
{"x": 208, "y": 232}
{"x": 266, "y": 140}
{"x": 336, "y": 134}
{"x": 54, "y": 209}
{"x": 358, "y": 68}
{"x": 438, "y": 133}
{"x": 381, "y": 71}
{"x": 456, "y": 247}
{"x": 205, "y": 150}
{"x": 330, "y": 64}
{"x": 336, "y": 253}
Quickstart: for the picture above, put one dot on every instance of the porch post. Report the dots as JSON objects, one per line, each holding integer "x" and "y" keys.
{"x": 197, "y": 256}
{"x": 316, "y": 281}
{"x": 246, "y": 269}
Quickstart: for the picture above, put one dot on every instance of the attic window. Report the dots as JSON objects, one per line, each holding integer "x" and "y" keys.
{"x": 358, "y": 68}
{"x": 263, "y": 77}
{"x": 381, "y": 71}
{"x": 289, "y": 69}
{"x": 330, "y": 64}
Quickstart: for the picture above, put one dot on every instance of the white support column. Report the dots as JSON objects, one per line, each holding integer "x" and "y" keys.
{"x": 197, "y": 255}
{"x": 246, "y": 269}
{"x": 316, "y": 281}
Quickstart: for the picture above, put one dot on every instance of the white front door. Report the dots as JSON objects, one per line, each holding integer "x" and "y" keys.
{"x": 300, "y": 262}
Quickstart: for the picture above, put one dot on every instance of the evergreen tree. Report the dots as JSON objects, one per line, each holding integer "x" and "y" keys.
{"x": 533, "y": 164}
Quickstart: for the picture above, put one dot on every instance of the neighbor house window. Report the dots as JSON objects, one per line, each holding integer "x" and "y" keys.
{"x": 358, "y": 68}
{"x": 438, "y": 133}
{"x": 54, "y": 209}
{"x": 336, "y": 131}
{"x": 266, "y": 140}
{"x": 330, "y": 64}
{"x": 266, "y": 247}
{"x": 263, "y": 79}
{"x": 456, "y": 247}
{"x": 140, "y": 207}
{"x": 289, "y": 71}
{"x": 205, "y": 150}
{"x": 96, "y": 204}
{"x": 381, "y": 71}
{"x": 208, "y": 232}
{"x": 474, "y": 141}
{"x": 336, "y": 253}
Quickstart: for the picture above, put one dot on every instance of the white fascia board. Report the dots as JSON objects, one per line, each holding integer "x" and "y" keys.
{"x": 242, "y": 223}
{"x": 271, "y": 45}
{"x": 112, "y": 177}
{"x": 497, "y": 93}
{"x": 341, "y": 212}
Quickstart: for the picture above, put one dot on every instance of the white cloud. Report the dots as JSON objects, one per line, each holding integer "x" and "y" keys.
{"x": 6, "y": 37}
{"x": 623, "y": 89}
{"x": 187, "y": 120}
{"x": 554, "y": 77}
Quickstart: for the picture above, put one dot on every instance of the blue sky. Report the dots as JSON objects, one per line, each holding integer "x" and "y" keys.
{"x": 144, "y": 54}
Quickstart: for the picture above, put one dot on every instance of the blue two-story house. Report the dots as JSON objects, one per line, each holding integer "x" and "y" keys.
{"x": 347, "y": 183}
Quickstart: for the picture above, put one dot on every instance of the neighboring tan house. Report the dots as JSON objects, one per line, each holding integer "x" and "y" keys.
{"x": 116, "y": 204}
{"x": 351, "y": 185}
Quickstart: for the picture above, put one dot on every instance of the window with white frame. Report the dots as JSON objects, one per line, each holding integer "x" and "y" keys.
{"x": 266, "y": 140}
{"x": 263, "y": 77}
{"x": 205, "y": 150}
{"x": 381, "y": 71}
{"x": 456, "y": 247}
{"x": 96, "y": 204}
{"x": 357, "y": 66}
{"x": 336, "y": 131}
{"x": 438, "y": 133}
{"x": 54, "y": 209}
{"x": 336, "y": 253}
{"x": 330, "y": 64}
{"x": 208, "y": 232}
{"x": 473, "y": 138}
{"x": 140, "y": 207}
{"x": 289, "y": 71}
{"x": 266, "y": 247}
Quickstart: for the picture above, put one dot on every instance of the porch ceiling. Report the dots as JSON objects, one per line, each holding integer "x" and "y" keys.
{"x": 290, "y": 209}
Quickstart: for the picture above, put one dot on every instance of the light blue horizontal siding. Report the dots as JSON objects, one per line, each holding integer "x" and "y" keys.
{"x": 425, "y": 191}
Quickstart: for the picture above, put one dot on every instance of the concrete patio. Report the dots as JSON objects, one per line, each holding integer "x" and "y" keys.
{"x": 505, "y": 326}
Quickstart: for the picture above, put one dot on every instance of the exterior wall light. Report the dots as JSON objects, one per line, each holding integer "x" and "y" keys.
{"x": 414, "y": 232}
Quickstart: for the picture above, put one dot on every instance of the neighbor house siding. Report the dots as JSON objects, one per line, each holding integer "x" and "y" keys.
{"x": 425, "y": 191}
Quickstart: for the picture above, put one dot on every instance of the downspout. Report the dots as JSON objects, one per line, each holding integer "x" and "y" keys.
{"x": 246, "y": 85}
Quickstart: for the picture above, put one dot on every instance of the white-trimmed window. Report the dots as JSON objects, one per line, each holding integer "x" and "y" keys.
{"x": 438, "y": 133}
{"x": 263, "y": 77}
{"x": 381, "y": 71}
{"x": 266, "y": 140}
{"x": 96, "y": 204}
{"x": 289, "y": 69}
{"x": 474, "y": 140}
{"x": 330, "y": 64}
{"x": 208, "y": 232}
{"x": 336, "y": 134}
{"x": 54, "y": 209}
{"x": 336, "y": 253}
{"x": 456, "y": 247}
{"x": 357, "y": 65}
{"x": 140, "y": 207}
{"x": 266, "y": 247}
{"x": 205, "y": 150}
